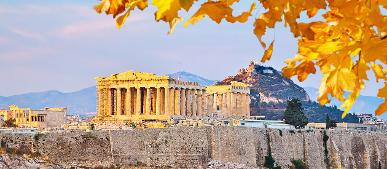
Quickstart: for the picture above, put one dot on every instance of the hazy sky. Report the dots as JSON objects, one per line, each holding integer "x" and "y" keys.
{"x": 63, "y": 45}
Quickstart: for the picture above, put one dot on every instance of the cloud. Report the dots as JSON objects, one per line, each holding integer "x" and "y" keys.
{"x": 42, "y": 9}
{"x": 29, "y": 35}
{"x": 24, "y": 55}
{"x": 94, "y": 26}
{"x": 87, "y": 27}
{"x": 3, "y": 40}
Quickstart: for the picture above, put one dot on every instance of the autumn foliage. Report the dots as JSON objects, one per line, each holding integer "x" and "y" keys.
{"x": 345, "y": 42}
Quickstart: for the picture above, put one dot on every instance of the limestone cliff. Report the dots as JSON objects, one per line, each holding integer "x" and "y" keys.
{"x": 193, "y": 147}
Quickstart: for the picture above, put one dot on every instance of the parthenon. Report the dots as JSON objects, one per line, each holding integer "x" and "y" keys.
{"x": 136, "y": 96}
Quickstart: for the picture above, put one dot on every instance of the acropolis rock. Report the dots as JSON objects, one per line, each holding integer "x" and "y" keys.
{"x": 194, "y": 147}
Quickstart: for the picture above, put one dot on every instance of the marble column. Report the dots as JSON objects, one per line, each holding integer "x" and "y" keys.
{"x": 232, "y": 105}
{"x": 206, "y": 103}
{"x": 242, "y": 104}
{"x": 166, "y": 101}
{"x": 194, "y": 103}
{"x": 148, "y": 102}
{"x": 237, "y": 104}
{"x": 182, "y": 102}
{"x": 153, "y": 101}
{"x": 128, "y": 102}
{"x": 199, "y": 101}
{"x": 189, "y": 103}
{"x": 119, "y": 100}
{"x": 172, "y": 101}
{"x": 224, "y": 103}
{"x": 177, "y": 101}
{"x": 105, "y": 102}
{"x": 110, "y": 101}
{"x": 229, "y": 109}
{"x": 248, "y": 105}
{"x": 138, "y": 101}
{"x": 214, "y": 104}
{"x": 158, "y": 97}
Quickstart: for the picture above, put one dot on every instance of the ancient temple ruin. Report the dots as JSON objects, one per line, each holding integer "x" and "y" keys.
{"x": 48, "y": 117}
{"x": 136, "y": 96}
{"x": 231, "y": 100}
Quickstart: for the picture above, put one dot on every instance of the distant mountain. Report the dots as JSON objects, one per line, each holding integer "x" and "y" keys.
{"x": 186, "y": 76}
{"x": 78, "y": 102}
{"x": 363, "y": 104}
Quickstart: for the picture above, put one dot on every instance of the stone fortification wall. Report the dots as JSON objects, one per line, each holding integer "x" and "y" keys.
{"x": 193, "y": 147}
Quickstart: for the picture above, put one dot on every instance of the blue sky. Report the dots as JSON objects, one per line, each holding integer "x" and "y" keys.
{"x": 63, "y": 45}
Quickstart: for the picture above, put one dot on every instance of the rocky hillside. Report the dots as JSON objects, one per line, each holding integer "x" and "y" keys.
{"x": 270, "y": 92}
{"x": 269, "y": 89}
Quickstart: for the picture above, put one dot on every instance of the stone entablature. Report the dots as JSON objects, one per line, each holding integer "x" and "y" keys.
{"x": 137, "y": 96}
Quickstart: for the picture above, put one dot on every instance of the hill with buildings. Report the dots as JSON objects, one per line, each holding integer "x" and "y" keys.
{"x": 270, "y": 92}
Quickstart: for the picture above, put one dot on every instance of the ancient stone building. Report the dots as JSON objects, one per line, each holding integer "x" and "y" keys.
{"x": 43, "y": 118}
{"x": 137, "y": 96}
{"x": 231, "y": 100}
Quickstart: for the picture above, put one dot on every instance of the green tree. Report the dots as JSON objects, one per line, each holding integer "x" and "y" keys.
{"x": 294, "y": 114}
{"x": 92, "y": 126}
{"x": 299, "y": 164}
{"x": 270, "y": 162}
{"x": 330, "y": 123}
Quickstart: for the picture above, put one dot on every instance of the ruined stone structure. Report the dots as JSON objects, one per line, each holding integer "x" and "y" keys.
{"x": 193, "y": 147}
{"x": 231, "y": 100}
{"x": 137, "y": 96}
{"x": 43, "y": 118}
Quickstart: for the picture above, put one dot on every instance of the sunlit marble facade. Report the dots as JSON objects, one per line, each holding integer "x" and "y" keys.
{"x": 137, "y": 96}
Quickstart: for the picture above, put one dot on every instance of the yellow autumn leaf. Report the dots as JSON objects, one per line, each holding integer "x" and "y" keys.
{"x": 382, "y": 94}
{"x": 338, "y": 80}
{"x": 173, "y": 24}
{"x": 121, "y": 19}
{"x": 378, "y": 71}
{"x": 268, "y": 52}
{"x": 259, "y": 30}
{"x": 349, "y": 102}
{"x": 168, "y": 8}
{"x": 329, "y": 47}
{"x": 218, "y": 11}
{"x": 103, "y": 6}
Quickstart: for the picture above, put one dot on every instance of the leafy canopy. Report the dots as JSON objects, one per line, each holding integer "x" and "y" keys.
{"x": 347, "y": 43}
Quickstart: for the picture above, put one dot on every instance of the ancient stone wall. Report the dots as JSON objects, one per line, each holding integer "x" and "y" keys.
{"x": 193, "y": 147}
